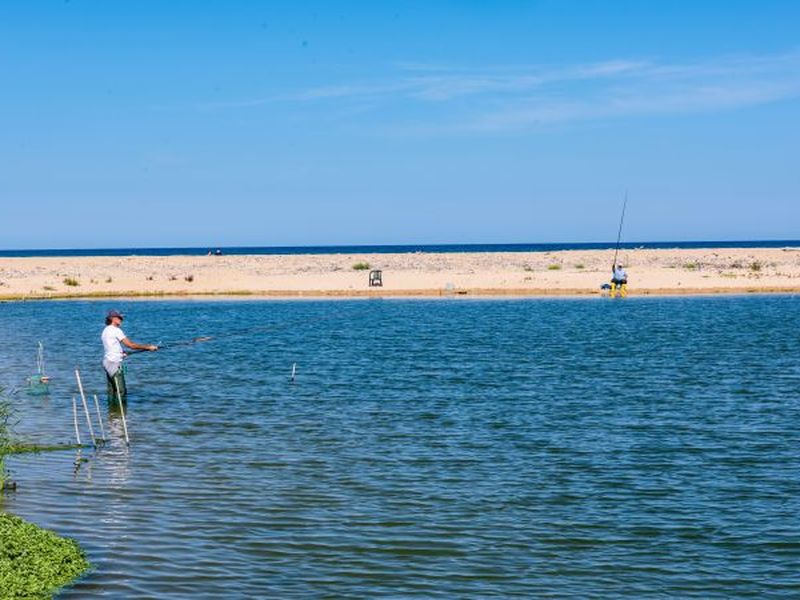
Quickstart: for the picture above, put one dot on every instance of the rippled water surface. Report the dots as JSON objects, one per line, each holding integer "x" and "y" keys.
{"x": 455, "y": 448}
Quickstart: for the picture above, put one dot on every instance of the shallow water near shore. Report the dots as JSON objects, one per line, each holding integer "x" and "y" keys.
{"x": 430, "y": 448}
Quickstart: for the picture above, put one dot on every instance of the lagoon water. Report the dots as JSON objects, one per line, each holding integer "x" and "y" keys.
{"x": 453, "y": 448}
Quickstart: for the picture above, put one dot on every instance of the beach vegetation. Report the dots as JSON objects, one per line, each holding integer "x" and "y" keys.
{"x": 527, "y": 268}
{"x": 71, "y": 282}
{"x": 737, "y": 264}
{"x": 189, "y": 278}
{"x": 554, "y": 267}
{"x": 49, "y": 288}
{"x": 755, "y": 266}
{"x": 34, "y": 562}
{"x": 361, "y": 266}
{"x": 149, "y": 278}
{"x": 691, "y": 266}
{"x": 580, "y": 266}
{"x": 173, "y": 278}
{"x": 109, "y": 280}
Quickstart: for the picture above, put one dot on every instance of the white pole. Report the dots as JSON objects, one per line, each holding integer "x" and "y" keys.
{"x": 75, "y": 419}
{"x": 122, "y": 413}
{"x": 99, "y": 417}
{"x": 40, "y": 359}
{"x": 294, "y": 370}
{"x": 85, "y": 406}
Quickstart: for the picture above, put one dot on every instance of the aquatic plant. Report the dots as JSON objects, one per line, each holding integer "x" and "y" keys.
{"x": 71, "y": 281}
{"x": 5, "y": 434}
{"x": 361, "y": 266}
{"x": 34, "y": 562}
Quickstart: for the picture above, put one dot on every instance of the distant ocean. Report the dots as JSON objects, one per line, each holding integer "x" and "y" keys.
{"x": 394, "y": 249}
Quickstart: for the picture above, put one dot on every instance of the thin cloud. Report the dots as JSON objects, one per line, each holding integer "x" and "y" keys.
{"x": 513, "y": 97}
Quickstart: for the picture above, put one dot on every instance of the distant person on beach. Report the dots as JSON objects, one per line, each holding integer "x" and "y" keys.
{"x": 113, "y": 339}
{"x": 618, "y": 275}
{"x": 218, "y": 252}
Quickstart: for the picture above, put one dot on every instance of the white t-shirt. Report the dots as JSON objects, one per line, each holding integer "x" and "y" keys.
{"x": 112, "y": 349}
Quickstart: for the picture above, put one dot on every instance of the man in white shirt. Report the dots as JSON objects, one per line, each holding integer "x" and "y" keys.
{"x": 113, "y": 339}
{"x": 618, "y": 275}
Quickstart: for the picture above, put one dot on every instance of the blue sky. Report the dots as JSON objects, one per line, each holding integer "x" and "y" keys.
{"x": 285, "y": 123}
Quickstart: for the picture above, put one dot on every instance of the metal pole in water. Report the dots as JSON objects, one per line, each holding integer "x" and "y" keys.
{"x": 85, "y": 406}
{"x": 75, "y": 419}
{"x": 99, "y": 417}
{"x": 122, "y": 413}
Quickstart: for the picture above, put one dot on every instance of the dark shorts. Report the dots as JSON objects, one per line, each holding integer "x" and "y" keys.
{"x": 619, "y": 281}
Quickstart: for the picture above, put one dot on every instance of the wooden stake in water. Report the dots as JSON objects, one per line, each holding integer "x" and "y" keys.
{"x": 99, "y": 417}
{"x": 122, "y": 414}
{"x": 85, "y": 406}
{"x": 75, "y": 419}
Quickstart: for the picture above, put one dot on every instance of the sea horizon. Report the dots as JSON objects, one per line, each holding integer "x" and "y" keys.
{"x": 393, "y": 248}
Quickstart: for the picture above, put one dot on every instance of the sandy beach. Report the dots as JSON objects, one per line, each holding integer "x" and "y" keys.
{"x": 651, "y": 272}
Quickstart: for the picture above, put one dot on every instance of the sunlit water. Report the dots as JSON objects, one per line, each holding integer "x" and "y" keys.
{"x": 453, "y": 448}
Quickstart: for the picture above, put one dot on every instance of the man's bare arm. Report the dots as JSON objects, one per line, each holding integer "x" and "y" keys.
{"x": 135, "y": 346}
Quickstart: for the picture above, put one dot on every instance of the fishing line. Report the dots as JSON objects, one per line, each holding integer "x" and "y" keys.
{"x": 619, "y": 232}
{"x": 230, "y": 334}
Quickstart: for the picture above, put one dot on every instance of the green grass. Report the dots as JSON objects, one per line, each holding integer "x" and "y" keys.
{"x": 71, "y": 281}
{"x": 554, "y": 267}
{"x": 34, "y": 562}
{"x": 691, "y": 266}
{"x": 755, "y": 266}
{"x": 361, "y": 266}
{"x": 6, "y": 416}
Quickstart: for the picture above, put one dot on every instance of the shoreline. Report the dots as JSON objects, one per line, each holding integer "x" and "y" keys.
{"x": 568, "y": 273}
{"x": 402, "y": 294}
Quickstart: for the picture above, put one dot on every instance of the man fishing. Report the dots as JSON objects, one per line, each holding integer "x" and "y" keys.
{"x": 619, "y": 281}
{"x": 618, "y": 275}
{"x": 113, "y": 339}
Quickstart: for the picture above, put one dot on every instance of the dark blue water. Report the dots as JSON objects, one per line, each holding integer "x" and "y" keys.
{"x": 644, "y": 448}
{"x": 401, "y": 249}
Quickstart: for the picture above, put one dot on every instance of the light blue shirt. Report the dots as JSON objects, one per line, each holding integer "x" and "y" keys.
{"x": 620, "y": 274}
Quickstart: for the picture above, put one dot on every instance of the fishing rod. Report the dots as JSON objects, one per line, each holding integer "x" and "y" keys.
{"x": 619, "y": 231}
{"x": 249, "y": 331}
